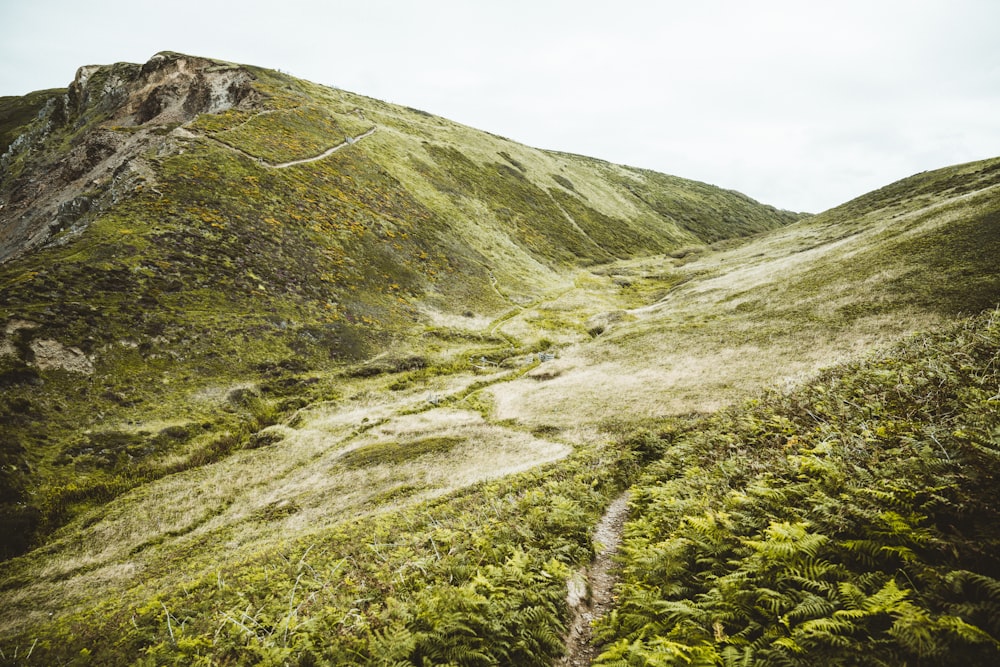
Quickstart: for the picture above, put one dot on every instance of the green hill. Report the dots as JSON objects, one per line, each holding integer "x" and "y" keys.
{"x": 292, "y": 374}
{"x": 158, "y": 253}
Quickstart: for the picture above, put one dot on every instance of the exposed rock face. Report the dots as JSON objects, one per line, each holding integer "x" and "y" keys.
{"x": 52, "y": 355}
{"x": 45, "y": 354}
{"x": 170, "y": 88}
{"x": 45, "y": 190}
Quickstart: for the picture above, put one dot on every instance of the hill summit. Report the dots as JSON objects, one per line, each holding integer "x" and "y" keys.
{"x": 102, "y": 160}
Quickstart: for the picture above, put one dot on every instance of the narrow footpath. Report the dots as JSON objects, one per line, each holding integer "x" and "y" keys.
{"x": 328, "y": 152}
{"x": 591, "y": 591}
{"x": 349, "y": 141}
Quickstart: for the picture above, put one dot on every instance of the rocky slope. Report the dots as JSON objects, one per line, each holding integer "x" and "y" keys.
{"x": 88, "y": 147}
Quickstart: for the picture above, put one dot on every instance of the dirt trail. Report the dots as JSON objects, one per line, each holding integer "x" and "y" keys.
{"x": 330, "y": 151}
{"x": 349, "y": 141}
{"x": 591, "y": 591}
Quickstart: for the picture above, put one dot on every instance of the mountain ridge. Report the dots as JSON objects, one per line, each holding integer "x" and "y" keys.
{"x": 169, "y": 88}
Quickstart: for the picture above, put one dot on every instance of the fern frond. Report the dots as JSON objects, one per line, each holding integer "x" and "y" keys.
{"x": 786, "y": 540}
{"x": 960, "y": 579}
{"x": 789, "y": 644}
{"x": 966, "y": 632}
{"x": 811, "y": 607}
{"x": 826, "y": 627}
{"x": 917, "y": 632}
{"x": 888, "y": 600}
{"x": 735, "y": 657}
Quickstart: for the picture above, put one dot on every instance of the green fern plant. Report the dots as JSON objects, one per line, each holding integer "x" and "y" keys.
{"x": 862, "y": 528}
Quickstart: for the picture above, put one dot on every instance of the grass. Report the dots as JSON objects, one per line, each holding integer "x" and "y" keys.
{"x": 311, "y": 392}
{"x": 771, "y": 310}
{"x": 330, "y": 577}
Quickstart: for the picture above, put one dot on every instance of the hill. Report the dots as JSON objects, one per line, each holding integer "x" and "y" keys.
{"x": 291, "y": 374}
{"x": 164, "y": 250}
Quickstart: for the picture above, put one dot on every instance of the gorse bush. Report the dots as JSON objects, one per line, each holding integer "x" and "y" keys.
{"x": 855, "y": 522}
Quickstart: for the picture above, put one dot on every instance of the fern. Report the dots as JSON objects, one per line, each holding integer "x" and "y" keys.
{"x": 393, "y": 646}
{"x": 810, "y": 607}
{"x": 657, "y": 652}
{"x": 786, "y": 542}
{"x": 839, "y": 526}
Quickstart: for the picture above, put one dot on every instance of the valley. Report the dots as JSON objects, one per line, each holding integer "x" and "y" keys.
{"x": 366, "y": 404}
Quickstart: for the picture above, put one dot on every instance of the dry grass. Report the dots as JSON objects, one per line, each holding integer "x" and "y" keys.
{"x": 255, "y": 499}
{"x": 737, "y": 321}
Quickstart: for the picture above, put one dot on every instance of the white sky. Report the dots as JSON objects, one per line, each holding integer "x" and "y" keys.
{"x": 801, "y": 104}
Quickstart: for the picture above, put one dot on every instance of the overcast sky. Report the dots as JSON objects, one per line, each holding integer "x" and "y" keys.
{"x": 799, "y": 104}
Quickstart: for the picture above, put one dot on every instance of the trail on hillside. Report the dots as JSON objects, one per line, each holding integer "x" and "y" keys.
{"x": 591, "y": 591}
{"x": 503, "y": 318}
{"x": 330, "y": 151}
{"x": 349, "y": 141}
{"x": 517, "y": 308}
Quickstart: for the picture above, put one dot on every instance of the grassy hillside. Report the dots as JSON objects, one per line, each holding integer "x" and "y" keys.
{"x": 711, "y": 323}
{"x": 268, "y": 402}
{"x": 203, "y": 288}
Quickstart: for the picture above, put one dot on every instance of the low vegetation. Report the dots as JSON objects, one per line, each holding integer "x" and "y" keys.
{"x": 475, "y": 578}
{"x": 851, "y": 522}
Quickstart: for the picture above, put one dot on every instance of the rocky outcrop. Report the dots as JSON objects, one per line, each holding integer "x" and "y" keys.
{"x": 170, "y": 88}
{"x": 112, "y": 117}
{"x": 53, "y": 355}
{"x": 18, "y": 341}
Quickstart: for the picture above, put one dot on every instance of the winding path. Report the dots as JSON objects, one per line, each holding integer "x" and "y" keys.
{"x": 284, "y": 165}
